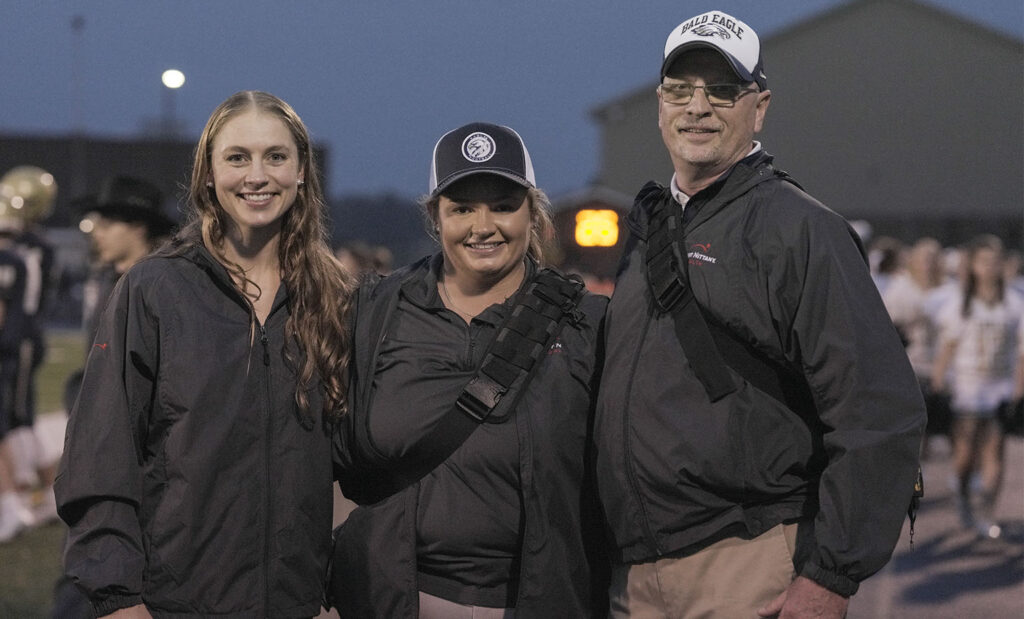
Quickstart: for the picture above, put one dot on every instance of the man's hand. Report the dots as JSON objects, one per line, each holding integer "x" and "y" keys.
{"x": 806, "y": 598}
{"x": 134, "y": 612}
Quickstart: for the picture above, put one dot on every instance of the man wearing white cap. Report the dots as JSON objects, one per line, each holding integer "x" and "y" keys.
{"x": 758, "y": 423}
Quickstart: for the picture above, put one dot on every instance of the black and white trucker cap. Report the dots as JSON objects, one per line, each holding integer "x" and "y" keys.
{"x": 480, "y": 148}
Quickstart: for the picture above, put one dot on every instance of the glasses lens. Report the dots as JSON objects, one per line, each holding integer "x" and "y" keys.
{"x": 676, "y": 93}
{"x": 723, "y": 93}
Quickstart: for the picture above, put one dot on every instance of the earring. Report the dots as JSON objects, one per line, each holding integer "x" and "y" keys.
{"x": 209, "y": 184}
{"x": 301, "y": 182}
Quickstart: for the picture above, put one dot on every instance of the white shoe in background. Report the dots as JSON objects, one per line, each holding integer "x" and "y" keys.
{"x": 22, "y": 441}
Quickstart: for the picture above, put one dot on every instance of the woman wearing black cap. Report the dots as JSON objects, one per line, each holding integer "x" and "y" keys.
{"x": 197, "y": 472}
{"x": 470, "y": 405}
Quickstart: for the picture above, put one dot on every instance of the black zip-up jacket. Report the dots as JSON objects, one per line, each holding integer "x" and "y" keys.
{"x": 189, "y": 480}
{"x": 787, "y": 277}
{"x": 376, "y": 546}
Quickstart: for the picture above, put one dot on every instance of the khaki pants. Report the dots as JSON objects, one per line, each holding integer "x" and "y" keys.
{"x": 730, "y": 579}
{"x": 432, "y": 607}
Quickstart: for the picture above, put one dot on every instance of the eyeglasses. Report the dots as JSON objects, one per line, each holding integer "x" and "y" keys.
{"x": 719, "y": 95}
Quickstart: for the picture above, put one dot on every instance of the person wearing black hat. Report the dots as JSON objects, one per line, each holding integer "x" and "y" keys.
{"x": 126, "y": 221}
{"x": 138, "y": 205}
{"x": 471, "y": 395}
{"x": 758, "y": 424}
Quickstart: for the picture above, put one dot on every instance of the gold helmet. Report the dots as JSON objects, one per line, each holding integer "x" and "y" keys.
{"x": 10, "y": 220}
{"x": 27, "y": 193}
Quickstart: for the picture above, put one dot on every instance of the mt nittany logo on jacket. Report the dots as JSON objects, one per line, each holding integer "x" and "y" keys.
{"x": 699, "y": 254}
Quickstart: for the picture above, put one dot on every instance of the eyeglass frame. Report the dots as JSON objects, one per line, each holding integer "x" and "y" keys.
{"x": 742, "y": 92}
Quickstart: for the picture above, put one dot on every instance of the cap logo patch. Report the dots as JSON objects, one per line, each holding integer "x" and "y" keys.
{"x": 711, "y": 30}
{"x": 478, "y": 147}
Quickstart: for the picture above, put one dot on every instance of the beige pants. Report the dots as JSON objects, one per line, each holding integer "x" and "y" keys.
{"x": 433, "y": 607}
{"x": 730, "y": 579}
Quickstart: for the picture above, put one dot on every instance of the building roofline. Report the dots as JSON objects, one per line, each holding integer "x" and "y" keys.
{"x": 600, "y": 111}
{"x": 848, "y": 7}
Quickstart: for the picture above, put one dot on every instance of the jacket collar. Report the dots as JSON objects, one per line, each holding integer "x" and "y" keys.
{"x": 747, "y": 173}
{"x": 419, "y": 284}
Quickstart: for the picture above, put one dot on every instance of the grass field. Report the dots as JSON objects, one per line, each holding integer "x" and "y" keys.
{"x": 65, "y": 353}
{"x": 30, "y": 564}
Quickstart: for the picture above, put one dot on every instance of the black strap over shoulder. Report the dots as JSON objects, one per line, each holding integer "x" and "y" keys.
{"x": 522, "y": 341}
{"x": 711, "y": 348}
{"x": 549, "y": 301}
{"x": 670, "y": 288}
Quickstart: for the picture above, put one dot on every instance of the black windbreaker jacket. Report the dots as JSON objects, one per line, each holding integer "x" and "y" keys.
{"x": 787, "y": 277}
{"x": 189, "y": 480}
{"x": 376, "y": 546}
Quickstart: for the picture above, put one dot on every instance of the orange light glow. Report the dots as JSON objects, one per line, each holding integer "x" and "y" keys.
{"x": 597, "y": 228}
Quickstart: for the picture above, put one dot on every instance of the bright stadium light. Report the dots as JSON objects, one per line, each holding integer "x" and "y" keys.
{"x": 173, "y": 78}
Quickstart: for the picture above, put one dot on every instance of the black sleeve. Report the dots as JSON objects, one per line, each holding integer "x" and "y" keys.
{"x": 100, "y": 481}
{"x": 837, "y": 328}
{"x": 366, "y": 327}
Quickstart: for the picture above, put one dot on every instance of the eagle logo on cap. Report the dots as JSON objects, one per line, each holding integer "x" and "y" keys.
{"x": 711, "y": 30}
{"x": 478, "y": 147}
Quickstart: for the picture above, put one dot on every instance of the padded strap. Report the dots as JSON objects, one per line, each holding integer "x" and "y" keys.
{"x": 670, "y": 289}
{"x": 711, "y": 348}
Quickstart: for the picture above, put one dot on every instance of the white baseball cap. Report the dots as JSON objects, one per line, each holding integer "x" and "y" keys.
{"x": 732, "y": 38}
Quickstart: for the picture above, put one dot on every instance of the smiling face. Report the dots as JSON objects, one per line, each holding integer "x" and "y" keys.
{"x": 255, "y": 170}
{"x": 704, "y": 140}
{"x": 484, "y": 224}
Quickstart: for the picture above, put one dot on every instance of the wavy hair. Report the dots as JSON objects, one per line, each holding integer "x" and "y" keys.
{"x": 320, "y": 289}
{"x": 542, "y": 230}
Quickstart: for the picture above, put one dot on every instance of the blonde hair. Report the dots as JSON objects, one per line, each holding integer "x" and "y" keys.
{"x": 319, "y": 287}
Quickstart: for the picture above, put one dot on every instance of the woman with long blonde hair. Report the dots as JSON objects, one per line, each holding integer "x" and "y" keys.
{"x": 197, "y": 473}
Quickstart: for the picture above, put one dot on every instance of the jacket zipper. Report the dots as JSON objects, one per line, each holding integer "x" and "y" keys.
{"x": 264, "y": 340}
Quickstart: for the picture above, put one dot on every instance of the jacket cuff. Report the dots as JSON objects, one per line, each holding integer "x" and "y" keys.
{"x": 833, "y": 581}
{"x": 114, "y": 603}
